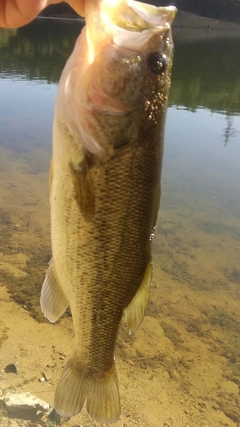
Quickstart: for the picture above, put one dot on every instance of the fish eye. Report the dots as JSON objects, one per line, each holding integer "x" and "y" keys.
{"x": 156, "y": 63}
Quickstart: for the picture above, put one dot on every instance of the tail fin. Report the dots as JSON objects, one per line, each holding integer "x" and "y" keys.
{"x": 100, "y": 391}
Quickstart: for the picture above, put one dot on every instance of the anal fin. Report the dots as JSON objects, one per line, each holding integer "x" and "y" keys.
{"x": 135, "y": 311}
{"x": 53, "y": 301}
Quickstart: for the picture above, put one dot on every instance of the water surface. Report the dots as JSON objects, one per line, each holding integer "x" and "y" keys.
{"x": 196, "y": 287}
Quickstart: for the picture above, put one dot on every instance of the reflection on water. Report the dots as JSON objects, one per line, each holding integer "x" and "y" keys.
{"x": 37, "y": 51}
{"x": 206, "y": 74}
{"x": 196, "y": 289}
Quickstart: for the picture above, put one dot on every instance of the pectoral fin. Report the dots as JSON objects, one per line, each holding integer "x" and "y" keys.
{"x": 53, "y": 301}
{"x": 83, "y": 188}
{"x": 135, "y": 311}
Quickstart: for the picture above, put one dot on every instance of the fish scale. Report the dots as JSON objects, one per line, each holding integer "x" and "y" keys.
{"x": 105, "y": 191}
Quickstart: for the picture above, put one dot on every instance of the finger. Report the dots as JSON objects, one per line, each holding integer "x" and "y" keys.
{"x": 78, "y": 6}
{"x": 15, "y": 13}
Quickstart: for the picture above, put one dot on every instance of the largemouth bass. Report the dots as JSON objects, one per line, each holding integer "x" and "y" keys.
{"x": 105, "y": 191}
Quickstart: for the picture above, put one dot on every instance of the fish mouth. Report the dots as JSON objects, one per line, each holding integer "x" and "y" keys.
{"x": 134, "y": 16}
{"x": 126, "y": 23}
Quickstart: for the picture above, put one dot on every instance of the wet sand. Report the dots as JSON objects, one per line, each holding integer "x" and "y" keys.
{"x": 181, "y": 368}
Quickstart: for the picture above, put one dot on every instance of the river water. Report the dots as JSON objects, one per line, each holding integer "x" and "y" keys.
{"x": 196, "y": 286}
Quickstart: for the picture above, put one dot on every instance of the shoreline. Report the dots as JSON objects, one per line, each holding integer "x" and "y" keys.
{"x": 197, "y": 21}
{"x": 184, "y": 25}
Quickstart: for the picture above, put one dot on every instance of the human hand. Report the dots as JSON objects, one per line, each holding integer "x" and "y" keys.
{"x": 15, "y": 13}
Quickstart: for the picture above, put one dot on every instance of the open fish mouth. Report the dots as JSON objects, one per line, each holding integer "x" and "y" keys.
{"x": 127, "y": 23}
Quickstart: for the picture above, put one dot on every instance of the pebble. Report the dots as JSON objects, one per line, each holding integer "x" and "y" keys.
{"x": 12, "y": 368}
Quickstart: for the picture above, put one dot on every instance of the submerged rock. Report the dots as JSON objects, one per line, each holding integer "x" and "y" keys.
{"x": 24, "y": 403}
{"x": 12, "y": 368}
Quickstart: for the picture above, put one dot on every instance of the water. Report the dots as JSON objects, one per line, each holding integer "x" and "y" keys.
{"x": 188, "y": 346}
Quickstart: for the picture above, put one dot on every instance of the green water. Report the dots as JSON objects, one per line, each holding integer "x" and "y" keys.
{"x": 196, "y": 287}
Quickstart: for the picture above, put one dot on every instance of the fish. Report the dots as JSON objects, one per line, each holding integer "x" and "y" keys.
{"x": 108, "y": 134}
